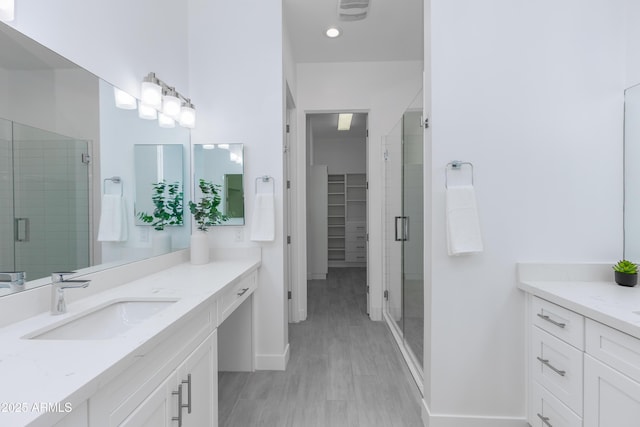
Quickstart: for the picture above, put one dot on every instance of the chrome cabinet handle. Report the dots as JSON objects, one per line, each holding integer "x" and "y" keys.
{"x": 188, "y": 383}
{"x": 544, "y": 420}
{"x": 180, "y": 405}
{"x": 550, "y": 366}
{"x": 550, "y": 320}
{"x": 243, "y": 291}
{"x": 404, "y": 229}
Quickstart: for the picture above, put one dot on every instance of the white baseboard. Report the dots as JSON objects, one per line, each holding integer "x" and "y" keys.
{"x": 316, "y": 276}
{"x": 272, "y": 362}
{"x": 440, "y": 420}
{"x": 375, "y": 313}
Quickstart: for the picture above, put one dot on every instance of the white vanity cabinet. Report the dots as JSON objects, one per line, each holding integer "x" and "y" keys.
{"x": 611, "y": 377}
{"x": 555, "y": 364}
{"x": 152, "y": 386}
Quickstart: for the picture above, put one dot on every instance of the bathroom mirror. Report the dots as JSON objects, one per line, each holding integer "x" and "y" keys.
{"x": 632, "y": 174}
{"x": 158, "y": 172}
{"x": 222, "y": 164}
{"x": 61, "y": 141}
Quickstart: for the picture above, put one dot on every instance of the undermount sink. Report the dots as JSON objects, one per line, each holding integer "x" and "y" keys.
{"x": 104, "y": 322}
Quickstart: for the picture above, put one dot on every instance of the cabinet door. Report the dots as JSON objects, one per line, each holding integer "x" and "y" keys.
{"x": 199, "y": 378}
{"x": 611, "y": 398}
{"x": 157, "y": 409}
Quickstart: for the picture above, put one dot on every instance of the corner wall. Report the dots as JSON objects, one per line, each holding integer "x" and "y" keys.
{"x": 532, "y": 95}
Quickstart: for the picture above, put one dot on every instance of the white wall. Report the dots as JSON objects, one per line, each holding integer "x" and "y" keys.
{"x": 240, "y": 88}
{"x": 384, "y": 90}
{"x": 531, "y": 93}
{"x": 633, "y": 42}
{"x": 344, "y": 155}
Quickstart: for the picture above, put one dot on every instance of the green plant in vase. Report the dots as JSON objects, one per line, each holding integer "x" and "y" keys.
{"x": 626, "y": 273}
{"x": 168, "y": 206}
{"x": 206, "y": 212}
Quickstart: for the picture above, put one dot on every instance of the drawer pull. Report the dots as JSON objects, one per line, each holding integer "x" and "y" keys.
{"x": 550, "y": 320}
{"x": 243, "y": 291}
{"x": 180, "y": 405}
{"x": 188, "y": 383}
{"x": 545, "y": 420}
{"x": 550, "y": 366}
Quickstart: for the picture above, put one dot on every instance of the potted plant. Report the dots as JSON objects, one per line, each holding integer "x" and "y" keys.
{"x": 205, "y": 213}
{"x": 626, "y": 273}
{"x": 168, "y": 210}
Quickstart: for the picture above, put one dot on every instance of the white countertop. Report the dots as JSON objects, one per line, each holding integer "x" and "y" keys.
{"x": 600, "y": 298}
{"x": 56, "y": 371}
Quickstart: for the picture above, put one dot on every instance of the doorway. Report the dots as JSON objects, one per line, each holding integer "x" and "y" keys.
{"x": 337, "y": 197}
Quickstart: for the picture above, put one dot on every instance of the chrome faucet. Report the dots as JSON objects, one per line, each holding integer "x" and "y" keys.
{"x": 60, "y": 283}
{"x": 13, "y": 280}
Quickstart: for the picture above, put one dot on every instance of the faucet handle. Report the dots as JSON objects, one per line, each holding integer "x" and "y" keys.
{"x": 60, "y": 276}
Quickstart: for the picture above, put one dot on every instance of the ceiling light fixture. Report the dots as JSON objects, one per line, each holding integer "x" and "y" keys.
{"x": 332, "y": 32}
{"x": 7, "y": 10}
{"x": 124, "y": 100}
{"x": 344, "y": 121}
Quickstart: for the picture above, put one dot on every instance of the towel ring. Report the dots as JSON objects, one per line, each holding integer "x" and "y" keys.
{"x": 266, "y": 178}
{"x": 455, "y": 165}
{"x": 115, "y": 180}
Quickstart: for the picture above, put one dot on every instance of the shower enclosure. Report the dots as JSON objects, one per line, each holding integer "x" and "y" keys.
{"x": 44, "y": 188}
{"x": 404, "y": 236}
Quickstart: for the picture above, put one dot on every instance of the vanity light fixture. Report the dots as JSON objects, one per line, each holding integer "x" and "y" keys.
{"x": 208, "y": 146}
{"x": 187, "y": 115}
{"x": 171, "y": 104}
{"x": 151, "y": 91}
{"x": 344, "y": 121}
{"x": 7, "y": 10}
{"x": 332, "y": 32}
{"x": 124, "y": 100}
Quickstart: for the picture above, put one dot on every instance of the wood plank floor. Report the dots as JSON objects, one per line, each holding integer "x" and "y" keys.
{"x": 344, "y": 369}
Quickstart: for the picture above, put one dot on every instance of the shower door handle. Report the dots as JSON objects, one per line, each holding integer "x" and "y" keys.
{"x": 403, "y": 229}
{"x": 21, "y": 229}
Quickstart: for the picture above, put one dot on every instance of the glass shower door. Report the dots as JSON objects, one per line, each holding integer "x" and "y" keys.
{"x": 46, "y": 177}
{"x": 404, "y": 233}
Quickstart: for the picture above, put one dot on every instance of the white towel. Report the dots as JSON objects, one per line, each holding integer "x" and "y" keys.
{"x": 463, "y": 225}
{"x": 263, "y": 220}
{"x": 113, "y": 219}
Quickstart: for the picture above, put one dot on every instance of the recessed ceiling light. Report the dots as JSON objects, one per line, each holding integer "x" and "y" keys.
{"x": 332, "y": 32}
{"x": 344, "y": 121}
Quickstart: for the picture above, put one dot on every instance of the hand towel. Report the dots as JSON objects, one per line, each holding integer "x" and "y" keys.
{"x": 263, "y": 222}
{"x": 463, "y": 225}
{"x": 113, "y": 219}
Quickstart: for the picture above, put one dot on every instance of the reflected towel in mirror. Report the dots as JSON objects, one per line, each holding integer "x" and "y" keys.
{"x": 463, "y": 225}
{"x": 113, "y": 219}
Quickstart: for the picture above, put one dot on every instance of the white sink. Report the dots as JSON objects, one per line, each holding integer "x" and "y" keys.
{"x": 105, "y": 321}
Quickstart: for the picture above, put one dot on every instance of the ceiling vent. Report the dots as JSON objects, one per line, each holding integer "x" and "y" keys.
{"x": 352, "y": 10}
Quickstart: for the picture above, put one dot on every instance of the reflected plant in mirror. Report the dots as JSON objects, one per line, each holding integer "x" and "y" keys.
{"x": 206, "y": 212}
{"x": 222, "y": 165}
{"x": 167, "y": 200}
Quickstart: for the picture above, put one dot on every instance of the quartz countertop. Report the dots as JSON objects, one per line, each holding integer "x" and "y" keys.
{"x": 587, "y": 289}
{"x": 35, "y": 372}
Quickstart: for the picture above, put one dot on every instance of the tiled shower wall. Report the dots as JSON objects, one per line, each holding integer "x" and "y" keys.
{"x": 6, "y": 196}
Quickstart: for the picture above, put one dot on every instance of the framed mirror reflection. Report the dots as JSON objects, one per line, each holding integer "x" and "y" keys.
{"x": 223, "y": 166}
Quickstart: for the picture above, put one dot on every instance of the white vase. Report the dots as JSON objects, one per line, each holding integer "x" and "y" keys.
{"x": 160, "y": 242}
{"x": 199, "y": 247}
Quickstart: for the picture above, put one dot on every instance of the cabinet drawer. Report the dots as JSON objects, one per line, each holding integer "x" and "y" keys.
{"x": 615, "y": 348}
{"x": 235, "y": 295}
{"x": 558, "y": 321}
{"x": 356, "y": 257}
{"x": 359, "y": 246}
{"x": 549, "y": 411}
{"x": 557, "y": 366}
{"x": 356, "y": 227}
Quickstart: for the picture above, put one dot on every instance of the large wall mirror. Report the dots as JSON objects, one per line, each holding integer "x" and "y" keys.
{"x": 62, "y": 140}
{"x": 632, "y": 174}
{"x": 222, "y": 165}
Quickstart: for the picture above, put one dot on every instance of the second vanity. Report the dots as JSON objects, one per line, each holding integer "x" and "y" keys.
{"x": 583, "y": 346}
{"x": 144, "y": 353}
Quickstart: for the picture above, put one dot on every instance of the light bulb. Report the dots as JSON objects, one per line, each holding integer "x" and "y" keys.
{"x": 165, "y": 121}
{"x": 171, "y": 104}
{"x": 188, "y": 116}
{"x": 151, "y": 92}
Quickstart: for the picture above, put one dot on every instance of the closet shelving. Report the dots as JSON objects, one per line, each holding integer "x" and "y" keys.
{"x": 347, "y": 203}
{"x": 336, "y": 217}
